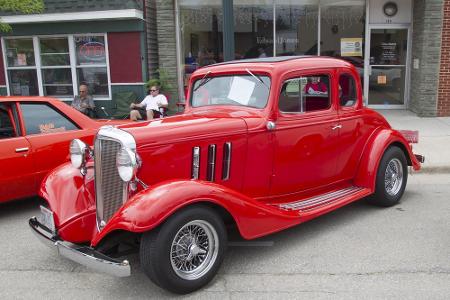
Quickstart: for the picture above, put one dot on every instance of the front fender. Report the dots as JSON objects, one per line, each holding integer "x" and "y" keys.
{"x": 70, "y": 196}
{"x": 373, "y": 152}
{"x": 151, "y": 207}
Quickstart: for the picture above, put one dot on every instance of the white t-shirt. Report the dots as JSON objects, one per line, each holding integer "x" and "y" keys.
{"x": 154, "y": 102}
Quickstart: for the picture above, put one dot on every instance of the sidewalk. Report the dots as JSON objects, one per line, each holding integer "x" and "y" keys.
{"x": 434, "y": 138}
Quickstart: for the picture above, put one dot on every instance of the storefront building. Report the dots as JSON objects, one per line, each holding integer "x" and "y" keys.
{"x": 401, "y": 48}
{"x": 101, "y": 44}
{"x": 398, "y": 46}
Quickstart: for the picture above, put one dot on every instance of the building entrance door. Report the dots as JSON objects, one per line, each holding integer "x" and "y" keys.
{"x": 388, "y": 68}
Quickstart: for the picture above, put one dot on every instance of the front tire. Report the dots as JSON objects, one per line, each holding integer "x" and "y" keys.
{"x": 186, "y": 251}
{"x": 392, "y": 176}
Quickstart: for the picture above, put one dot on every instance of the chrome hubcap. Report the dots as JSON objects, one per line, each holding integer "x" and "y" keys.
{"x": 194, "y": 249}
{"x": 393, "y": 177}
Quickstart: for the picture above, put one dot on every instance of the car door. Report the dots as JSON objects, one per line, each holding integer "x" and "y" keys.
{"x": 17, "y": 176}
{"x": 354, "y": 131}
{"x": 49, "y": 132}
{"x": 306, "y": 135}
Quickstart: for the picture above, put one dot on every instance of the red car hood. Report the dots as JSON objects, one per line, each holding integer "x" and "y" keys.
{"x": 185, "y": 127}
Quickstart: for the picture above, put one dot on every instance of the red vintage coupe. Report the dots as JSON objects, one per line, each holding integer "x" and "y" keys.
{"x": 35, "y": 135}
{"x": 263, "y": 145}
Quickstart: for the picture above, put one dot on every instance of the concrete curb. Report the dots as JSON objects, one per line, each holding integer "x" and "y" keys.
{"x": 434, "y": 169}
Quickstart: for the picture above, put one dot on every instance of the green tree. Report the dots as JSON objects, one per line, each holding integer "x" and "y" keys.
{"x": 19, "y": 6}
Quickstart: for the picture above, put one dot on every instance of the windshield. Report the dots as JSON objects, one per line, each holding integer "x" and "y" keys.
{"x": 242, "y": 90}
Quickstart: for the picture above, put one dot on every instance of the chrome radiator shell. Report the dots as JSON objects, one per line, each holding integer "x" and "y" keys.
{"x": 110, "y": 191}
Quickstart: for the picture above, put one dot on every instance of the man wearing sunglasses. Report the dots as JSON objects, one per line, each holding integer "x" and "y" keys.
{"x": 150, "y": 107}
{"x": 83, "y": 102}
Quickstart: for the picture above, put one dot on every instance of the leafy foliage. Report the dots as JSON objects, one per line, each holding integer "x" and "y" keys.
{"x": 161, "y": 79}
{"x": 20, "y": 6}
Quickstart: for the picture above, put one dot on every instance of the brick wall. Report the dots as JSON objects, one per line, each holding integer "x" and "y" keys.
{"x": 151, "y": 30}
{"x": 165, "y": 18}
{"x": 443, "y": 103}
{"x": 427, "y": 27}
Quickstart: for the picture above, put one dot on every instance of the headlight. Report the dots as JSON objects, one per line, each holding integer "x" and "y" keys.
{"x": 78, "y": 153}
{"x": 126, "y": 164}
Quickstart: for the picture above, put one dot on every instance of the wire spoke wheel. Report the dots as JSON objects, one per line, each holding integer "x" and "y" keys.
{"x": 393, "y": 176}
{"x": 194, "y": 249}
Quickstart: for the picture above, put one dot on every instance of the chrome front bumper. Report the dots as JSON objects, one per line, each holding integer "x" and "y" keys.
{"x": 83, "y": 255}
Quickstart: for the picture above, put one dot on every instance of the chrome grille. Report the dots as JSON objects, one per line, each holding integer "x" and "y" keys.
{"x": 110, "y": 190}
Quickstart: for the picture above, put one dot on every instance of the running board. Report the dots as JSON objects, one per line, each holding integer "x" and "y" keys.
{"x": 324, "y": 199}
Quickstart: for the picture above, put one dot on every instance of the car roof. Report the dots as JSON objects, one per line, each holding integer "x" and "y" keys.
{"x": 280, "y": 63}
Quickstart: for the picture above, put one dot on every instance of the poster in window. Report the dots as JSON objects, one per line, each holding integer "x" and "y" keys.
{"x": 21, "y": 59}
{"x": 351, "y": 47}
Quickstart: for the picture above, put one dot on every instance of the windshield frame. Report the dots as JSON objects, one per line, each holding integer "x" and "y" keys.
{"x": 212, "y": 76}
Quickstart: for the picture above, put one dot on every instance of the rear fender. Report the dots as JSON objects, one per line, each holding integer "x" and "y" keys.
{"x": 152, "y": 206}
{"x": 376, "y": 146}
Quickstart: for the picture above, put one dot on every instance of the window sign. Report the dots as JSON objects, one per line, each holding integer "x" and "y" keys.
{"x": 241, "y": 90}
{"x": 351, "y": 47}
{"x": 90, "y": 50}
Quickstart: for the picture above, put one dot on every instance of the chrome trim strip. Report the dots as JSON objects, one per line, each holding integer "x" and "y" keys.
{"x": 211, "y": 163}
{"x": 226, "y": 162}
{"x": 83, "y": 255}
{"x": 195, "y": 162}
{"x": 321, "y": 199}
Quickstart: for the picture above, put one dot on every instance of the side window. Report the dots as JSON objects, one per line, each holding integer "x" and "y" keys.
{"x": 305, "y": 94}
{"x": 6, "y": 124}
{"x": 41, "y": 119}
{"x": 347, "y": 90}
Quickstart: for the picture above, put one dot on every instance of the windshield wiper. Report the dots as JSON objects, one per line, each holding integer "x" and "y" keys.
{"x": 204, "y": 80}
{"x": 257, "y": 78}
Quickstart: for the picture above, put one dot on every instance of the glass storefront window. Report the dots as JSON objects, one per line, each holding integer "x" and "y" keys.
{"x": 56, "y": 72}
{"x": 19, "y": 52}
{"x": 23, "y": 83}
{"x": 201, "y": 25}
{"x": 20, "y": 63}
{"x": 296, "y": 27}
{"x": 343, "y": 30}
{"x": 253, "y": 28}
{"x": 54, "y": 52}
{"x": 95, "y": 78}
{"x": 57, "y": 82}
{"x": 48, "y": 71}
{"x": 91, "y": 64}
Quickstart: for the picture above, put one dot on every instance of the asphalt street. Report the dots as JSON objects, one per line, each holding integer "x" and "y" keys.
{"x": 356, "y": 252}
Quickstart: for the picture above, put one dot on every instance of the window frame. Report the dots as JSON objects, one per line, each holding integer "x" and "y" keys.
{"x": 59, "y": 112}
{"x": 306, "y": 75}
{"x": 73, "y": 64}
{"x": 351, "y": 75}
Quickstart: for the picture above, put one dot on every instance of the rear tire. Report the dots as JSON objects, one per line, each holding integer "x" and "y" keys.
{"x": 392, "y": 175}
{"x": 186, "y": 251}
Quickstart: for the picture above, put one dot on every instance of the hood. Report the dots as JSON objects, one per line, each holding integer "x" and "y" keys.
{"x": 185, "y": 127}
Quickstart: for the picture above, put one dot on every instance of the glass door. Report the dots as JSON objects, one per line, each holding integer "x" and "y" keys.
{"x": 387, "y": 70}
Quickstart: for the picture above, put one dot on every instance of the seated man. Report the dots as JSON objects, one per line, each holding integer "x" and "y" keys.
{"x": 316, "y": 87}
{"x": 84, "y": 102}
{"x": 150, "y": 106}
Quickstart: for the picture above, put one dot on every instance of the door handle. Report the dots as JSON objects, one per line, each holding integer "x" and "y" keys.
{"x": 18, "y": 150}
{"x": 336, "y": 127}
